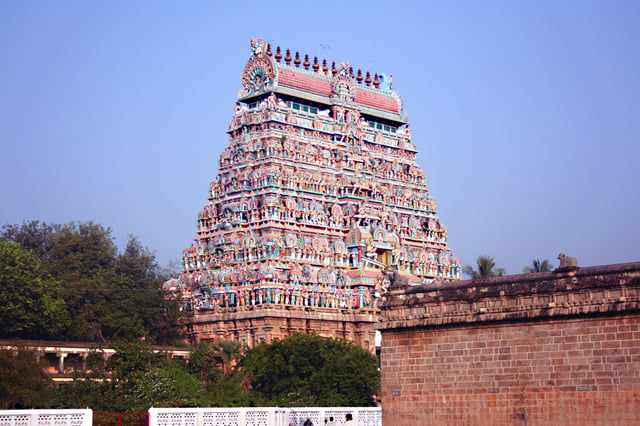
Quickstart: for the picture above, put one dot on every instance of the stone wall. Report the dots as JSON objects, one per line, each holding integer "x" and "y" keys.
{"x": 252, "y": 324}
{"x": 561, "y": 347}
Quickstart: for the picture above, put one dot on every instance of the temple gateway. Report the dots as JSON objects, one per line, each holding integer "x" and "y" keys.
{"x": 318, "y": 205}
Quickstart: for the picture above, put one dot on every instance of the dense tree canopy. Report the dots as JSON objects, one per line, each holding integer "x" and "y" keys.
{"x": 203, "y": 364}
{"x": 23, "y": 381}
{"x": 108, "y": 296}
{"x": 135, "y": 378}
{"x": 229, "y": 351}
{"x": 301, "y": 370}
{"x": 169, "y": 386}
{"x": 307, "y": 370}
{"x": 32, "y": 235}
{"x": 31, "y": 302}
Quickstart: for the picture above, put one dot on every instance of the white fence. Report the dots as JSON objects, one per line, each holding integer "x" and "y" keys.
{"x": 46, "y": 417}
{"x": 265, "y": 416}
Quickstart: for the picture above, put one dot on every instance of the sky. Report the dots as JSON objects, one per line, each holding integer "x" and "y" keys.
{"x": 526, "y": 114}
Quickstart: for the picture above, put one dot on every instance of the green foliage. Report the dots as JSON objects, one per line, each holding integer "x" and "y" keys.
{"x": 32, "y": 235}
{"x": 229, "y": 351}
{"x": 350, "y": 375}
{"x": 170, "y": 386}
{"x": 229, "y": 391}
{"x": 301, "y": 370}
{"x": 79, "y": 250}
{"x": 224, "y": 388}
{"x": 90, "y": 389}
{"x": 203, "y": 364}
{"x": 109, "y": 296}
{"x": 23, "y": 381}
{"x": 83, "y": 256}
{"x": 305, "y": 370}
{"x": 538, "y": 266}
{"x": 31, "y": 303}
{"x": 134, "y": 378}
{"x": 130, "y": 361}
{"x": 486, "y": 269}
{"x": 90, "y": 392}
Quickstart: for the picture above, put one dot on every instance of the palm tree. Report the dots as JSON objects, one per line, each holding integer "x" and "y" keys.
{"x": 229, "y": 351}
{"x": 538, "y": 266}
{"x": 486, "y": 269}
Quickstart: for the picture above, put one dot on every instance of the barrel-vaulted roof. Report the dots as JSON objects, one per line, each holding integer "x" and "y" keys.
{"x": 265, "y": 73}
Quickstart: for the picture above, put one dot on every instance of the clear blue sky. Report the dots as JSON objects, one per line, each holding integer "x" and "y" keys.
{"x": 526, "y": 114}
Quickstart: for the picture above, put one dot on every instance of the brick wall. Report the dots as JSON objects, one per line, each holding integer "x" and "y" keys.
{"x": 505, "y": 351}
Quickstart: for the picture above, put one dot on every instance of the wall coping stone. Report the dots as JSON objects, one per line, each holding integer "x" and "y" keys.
{"x": 566, "y": 292}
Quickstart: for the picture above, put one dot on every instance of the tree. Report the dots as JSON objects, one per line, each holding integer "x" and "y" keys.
{"x": 82, "y": 257}
{"x": 538, "y": 266}
{"x": 350, "y": 375}
{"x": 486, "y": 269}
{"x": 32, "y": 235}
{"x": 170, "y": 386}
{"x": 109, "y": 296}
{"x": 140, "y": 293}
{"x": 231, "y": 391}
{"x": 308, "y": 370}
{"x": 126, "y": 366}
{"x": 31, "y": 303}
{"x": 203, "y": 363}
{"x": 23, "y": 381}
{"x": 91, "y": 388}
{"x": 223, "y": 390}
{"x": 134, "y": 378}
{"x": 229, "y": 351}
{"x": 141, "y": 378}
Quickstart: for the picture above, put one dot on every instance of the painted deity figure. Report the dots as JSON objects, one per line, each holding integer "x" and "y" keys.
{"x": 271, "y": 102}
{"x": 258, "y": 46}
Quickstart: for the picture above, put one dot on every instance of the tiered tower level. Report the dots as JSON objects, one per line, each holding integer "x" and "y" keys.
{"x": 318, "y": 199}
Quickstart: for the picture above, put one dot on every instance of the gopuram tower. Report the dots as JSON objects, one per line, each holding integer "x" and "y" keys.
{"x": 317, "y": 207}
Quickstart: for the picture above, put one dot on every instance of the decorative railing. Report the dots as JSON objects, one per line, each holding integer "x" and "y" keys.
{"x": 265, "y": 416}
{"x": 46, "y": 417}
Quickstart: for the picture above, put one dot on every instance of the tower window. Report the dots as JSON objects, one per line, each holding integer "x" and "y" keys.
{"x": 300, "y": 107}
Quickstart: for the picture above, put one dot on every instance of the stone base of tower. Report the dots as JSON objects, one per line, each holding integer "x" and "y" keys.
{"x": 254, "y": 324}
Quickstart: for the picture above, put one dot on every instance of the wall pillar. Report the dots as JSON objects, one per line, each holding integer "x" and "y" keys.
{"x": 61, "y": 356}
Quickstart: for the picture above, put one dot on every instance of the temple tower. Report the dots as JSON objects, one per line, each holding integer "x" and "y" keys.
{"x": 318, "y": 204}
